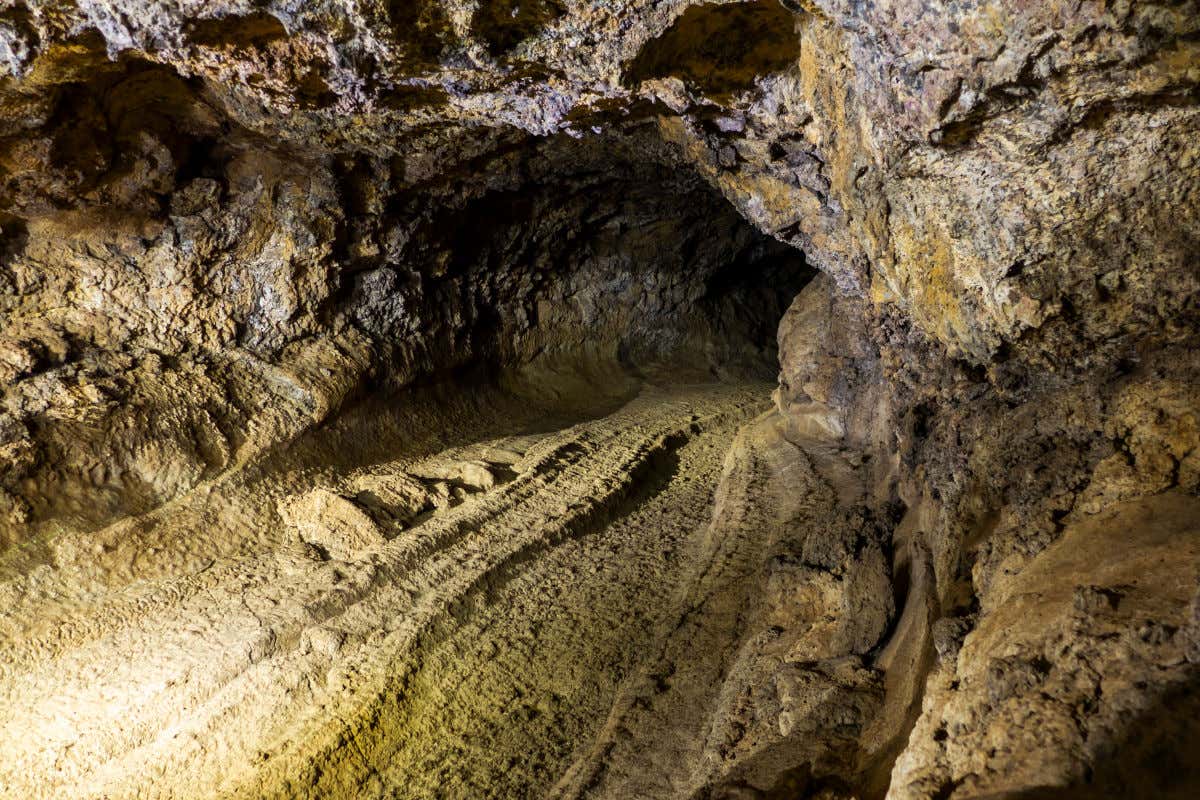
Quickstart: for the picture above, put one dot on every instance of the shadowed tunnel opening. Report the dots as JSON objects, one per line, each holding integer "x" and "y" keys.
{"x": 602, "y": 245}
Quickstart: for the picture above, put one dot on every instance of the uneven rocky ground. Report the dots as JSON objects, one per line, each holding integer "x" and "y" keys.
{"x": 372, "y": 642}
{"x": 599, "y": 398}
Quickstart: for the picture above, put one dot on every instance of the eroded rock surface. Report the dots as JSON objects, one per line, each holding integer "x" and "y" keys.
{"x": 383, "y": 408}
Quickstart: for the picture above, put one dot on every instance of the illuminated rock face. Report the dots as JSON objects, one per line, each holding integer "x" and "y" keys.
{"x": 389, "y": 401}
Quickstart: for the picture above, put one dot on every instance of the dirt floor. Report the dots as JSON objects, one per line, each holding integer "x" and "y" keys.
{"x": 442, "y": 594}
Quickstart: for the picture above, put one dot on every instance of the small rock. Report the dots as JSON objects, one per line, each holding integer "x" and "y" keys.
{"x": 332, "y": 523}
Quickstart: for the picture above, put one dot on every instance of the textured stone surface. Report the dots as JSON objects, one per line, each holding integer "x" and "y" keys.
{"x": 286, "y": 288}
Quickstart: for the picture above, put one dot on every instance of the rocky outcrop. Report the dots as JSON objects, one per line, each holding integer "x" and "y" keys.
{"x": 957, "y": 560}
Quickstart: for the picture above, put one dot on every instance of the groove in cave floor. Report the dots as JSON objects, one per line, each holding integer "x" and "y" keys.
{"x": 463, "y": 627}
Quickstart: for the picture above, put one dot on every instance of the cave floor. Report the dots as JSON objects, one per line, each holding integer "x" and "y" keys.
{"x": 470, "y": 595}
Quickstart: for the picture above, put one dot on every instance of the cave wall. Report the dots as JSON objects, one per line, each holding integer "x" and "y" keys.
{"x": 221, "y": 220}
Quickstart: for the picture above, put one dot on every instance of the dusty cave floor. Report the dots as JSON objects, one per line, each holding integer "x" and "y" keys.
{"x": 449, "y": 594}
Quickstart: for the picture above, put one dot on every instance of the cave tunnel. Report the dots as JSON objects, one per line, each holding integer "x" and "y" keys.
{"x": 532, "y": 367}
{"x": 741, "y": 400}
{"x": 594, "y": 246}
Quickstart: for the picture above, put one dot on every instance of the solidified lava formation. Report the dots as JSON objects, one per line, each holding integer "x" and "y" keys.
{"x": 599, "y": 399}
